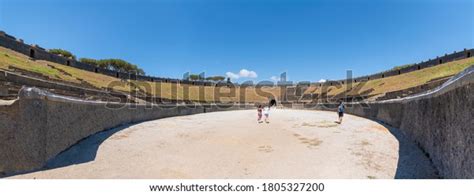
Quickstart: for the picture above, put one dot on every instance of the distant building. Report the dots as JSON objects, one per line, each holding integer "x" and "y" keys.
{"x": 186, "y": 76}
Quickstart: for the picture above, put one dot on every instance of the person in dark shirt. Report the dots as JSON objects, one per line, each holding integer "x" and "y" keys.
{"x": 340, "y": 111}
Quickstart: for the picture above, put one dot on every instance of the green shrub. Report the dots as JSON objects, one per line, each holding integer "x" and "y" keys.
{"x": 215, "y": 78}
{"x": 62, "y": 52}
{"x": 194, "y": 77}
{"x": 402, "y": 66}
{"x": 89, "y": 61}
{"x": 114, "y": 64}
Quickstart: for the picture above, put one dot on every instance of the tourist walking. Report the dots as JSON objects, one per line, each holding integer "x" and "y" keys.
{"x": 259, "y": 114}
{"x": 340, "y": 111}
{"x": 266, "y": 112}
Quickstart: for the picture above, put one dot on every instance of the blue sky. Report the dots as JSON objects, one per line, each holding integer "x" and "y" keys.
{"x": 310, "y": 40}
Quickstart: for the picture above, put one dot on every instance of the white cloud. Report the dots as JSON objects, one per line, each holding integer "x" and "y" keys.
{"x": 232, "y": 75}
{"x": 247, "y": 73}
{"x": 244, "y": 73}
{"x": 322, "y": 81}
{"x": 275, "y": 78}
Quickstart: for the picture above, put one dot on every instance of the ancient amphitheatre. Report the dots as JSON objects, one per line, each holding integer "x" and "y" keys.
{"x": 410, "y": 122}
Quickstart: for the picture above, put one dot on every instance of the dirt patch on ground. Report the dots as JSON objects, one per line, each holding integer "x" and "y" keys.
{"x": 379, "y": 128}
{"x": 326, "y": 124}
{"x": 320, "y": 124}
{"x": 365, "y": 143}
{"x": 311, "y": 143}
{"x": 118, "y": 137}
{"x": 305, "y": 124}
{"x": 265, "y": 148}
{"x": 367, "y": 156}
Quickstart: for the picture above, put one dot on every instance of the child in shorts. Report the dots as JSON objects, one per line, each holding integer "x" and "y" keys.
{"x": 266, "y": 112}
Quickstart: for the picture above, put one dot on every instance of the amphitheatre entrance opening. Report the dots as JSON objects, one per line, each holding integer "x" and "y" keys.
{"x": 272, "y": 102}
{"x": 32, "y": 53}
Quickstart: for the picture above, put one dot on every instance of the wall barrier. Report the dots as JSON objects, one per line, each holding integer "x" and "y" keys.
{"x": 440, "y": 121}
{"x": 39, "y": 125}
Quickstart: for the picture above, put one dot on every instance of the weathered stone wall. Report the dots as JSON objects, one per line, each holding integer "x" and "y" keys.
{"x": 38, "y": 126}
{"x": 441, "y": 122}
{"x": 441, "y": 125}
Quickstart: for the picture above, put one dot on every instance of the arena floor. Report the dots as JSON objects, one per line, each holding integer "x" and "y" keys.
{"x": 295, "y": 144}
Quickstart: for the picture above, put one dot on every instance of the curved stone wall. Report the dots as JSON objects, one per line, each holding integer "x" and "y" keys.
{"x": 441, "y": 122}
{"x": 38, "y": 125}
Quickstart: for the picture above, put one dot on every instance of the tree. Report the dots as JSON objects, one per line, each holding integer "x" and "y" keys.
{"x": 140, "y": 71}
{"x": 89, "y": 61}
{"x": 402, "y": 66}
{"x": 62, "y": 52}
{"x": 215, "y": 78}
{"x": 118, "y": 65}
{"x": 194, "y": 77}
{"x": 197, "y": 77}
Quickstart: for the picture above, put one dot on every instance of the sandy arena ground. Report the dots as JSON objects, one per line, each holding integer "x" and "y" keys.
{"x": 295, "y": 144}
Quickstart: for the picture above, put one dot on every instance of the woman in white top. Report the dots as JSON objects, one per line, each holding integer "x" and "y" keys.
{"x": 266, "y": 112}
